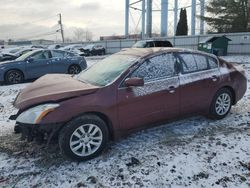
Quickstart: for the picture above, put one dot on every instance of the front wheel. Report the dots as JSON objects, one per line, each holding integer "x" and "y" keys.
{"x": 14, "y": 77}
{"x": 221, "y": 104}
{"x": 84, "y": 138}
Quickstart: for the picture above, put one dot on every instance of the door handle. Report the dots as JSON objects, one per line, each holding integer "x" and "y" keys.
{"x": 171, "y": 89}
{"x": 214, "y": 78}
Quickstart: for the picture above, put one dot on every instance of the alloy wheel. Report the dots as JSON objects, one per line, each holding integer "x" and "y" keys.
{"x": 222, "y": 104}
{"x": 14, "y": 77}
{"x": 86, "y": 140}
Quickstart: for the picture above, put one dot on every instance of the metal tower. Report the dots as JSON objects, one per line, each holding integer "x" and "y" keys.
{"x": 146, "y": 16}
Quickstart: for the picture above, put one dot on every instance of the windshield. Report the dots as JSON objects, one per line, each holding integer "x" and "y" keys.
{"x": 107, "y": 70}
{"x": 89, "y": 46}
{"x": 24, "y": 56}
{"x": 140, "y": 44}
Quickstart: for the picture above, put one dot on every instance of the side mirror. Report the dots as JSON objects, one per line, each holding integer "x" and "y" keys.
{"x": 134, "y": 82}
{"x": 30, "y": 60}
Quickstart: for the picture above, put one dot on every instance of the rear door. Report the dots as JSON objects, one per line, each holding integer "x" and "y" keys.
{"x": 40, "y": 64}
{"x": 199, "y": 82}
{"x": 59, "y": 61}
{"x": 157, "y": 100}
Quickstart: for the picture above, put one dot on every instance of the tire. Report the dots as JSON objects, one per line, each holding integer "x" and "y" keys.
{"x": 14, "y": 77}
{"x": 74, "y": 69}
{"x": 80, "y": 134}
{"x": 221, "y": 104}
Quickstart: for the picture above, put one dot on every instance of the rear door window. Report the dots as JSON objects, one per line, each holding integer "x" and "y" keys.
{"x": 58, "y": 54}
{"x": 201, "y": 61}
{"x": 188, "y": 63}
{"x": 193, "y": 62}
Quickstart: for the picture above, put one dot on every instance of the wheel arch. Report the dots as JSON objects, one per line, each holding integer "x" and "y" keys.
{"x": 101, "y": 115}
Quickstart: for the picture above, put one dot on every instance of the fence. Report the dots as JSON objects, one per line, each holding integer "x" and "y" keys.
{"x": 240, "y": 43}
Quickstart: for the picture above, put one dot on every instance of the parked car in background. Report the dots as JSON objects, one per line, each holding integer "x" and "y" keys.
{"x": 94, "y": 49}
{"x": 127, "y": 91}
{"x": 55, "y": 46}
{"x": 7, "y": 57}
{"x": 74, "y": 48}
{"x": 37, "y": 63}
{"x": 13, "y": 56}
{"x": 11, "y": 50}
{"x": 152, "y": 43}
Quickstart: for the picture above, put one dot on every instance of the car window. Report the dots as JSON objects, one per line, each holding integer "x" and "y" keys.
{"x": 155, "y": 68}
{"x": 41, "y": 55}
{"x": 212, "y": 63}
{"x": 58, "y": 54}
{"x": 150, "y": 44}
{"x": 201, "y": 61}
{"x": 67, "y": 54}
{"x": 158, "y": 44}
{"x": 188, "y": 63}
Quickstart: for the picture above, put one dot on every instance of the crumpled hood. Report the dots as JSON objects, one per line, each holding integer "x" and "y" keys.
{"x": 50, "y": 88}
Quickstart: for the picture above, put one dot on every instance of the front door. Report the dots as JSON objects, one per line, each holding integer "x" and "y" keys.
{"x": 39, "y": 64}
{"x": 157, "y": 100}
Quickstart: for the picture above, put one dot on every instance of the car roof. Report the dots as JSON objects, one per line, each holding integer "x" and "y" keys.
{"x": 144, "y": 52}
{"x": 154, "y": 40}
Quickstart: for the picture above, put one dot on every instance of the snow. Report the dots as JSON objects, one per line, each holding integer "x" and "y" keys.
{"x": 194, "y": 152}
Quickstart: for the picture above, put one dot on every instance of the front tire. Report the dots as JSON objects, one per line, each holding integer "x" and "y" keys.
{"x": 14, "y": 77}
{"x": 221, "y": 104}
{"x": 84, "y": 138}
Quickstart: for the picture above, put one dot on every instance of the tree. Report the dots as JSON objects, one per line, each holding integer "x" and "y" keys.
{"x": 228, "y": 16}
{"x": 81, "y": 34}
{"x": 182, "y": 27}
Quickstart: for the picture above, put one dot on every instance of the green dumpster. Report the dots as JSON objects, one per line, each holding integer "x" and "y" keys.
{"x": 216, "y": 45}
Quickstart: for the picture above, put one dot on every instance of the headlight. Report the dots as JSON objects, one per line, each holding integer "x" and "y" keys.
{"x": 34, "y": 115}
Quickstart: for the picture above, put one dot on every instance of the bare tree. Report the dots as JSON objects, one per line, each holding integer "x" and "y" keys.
{"x": 81, "y": 34}
{"x": 88, "y": 35}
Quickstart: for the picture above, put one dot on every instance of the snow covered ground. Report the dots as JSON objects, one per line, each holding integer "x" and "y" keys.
{"x": 194, "y": 152}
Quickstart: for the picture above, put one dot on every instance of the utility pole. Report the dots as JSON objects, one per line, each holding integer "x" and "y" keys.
{"x": 61, "y": 26}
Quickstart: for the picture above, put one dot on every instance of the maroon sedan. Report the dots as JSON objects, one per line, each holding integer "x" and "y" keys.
{"x": 127, "y": 91}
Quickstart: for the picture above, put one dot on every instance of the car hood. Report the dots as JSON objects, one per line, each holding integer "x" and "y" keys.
{"x": 9, "y": 61}
{"x": 52, "y": 88}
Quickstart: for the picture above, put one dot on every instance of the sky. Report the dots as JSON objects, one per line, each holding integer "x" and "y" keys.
{"x": 21, "y": 19}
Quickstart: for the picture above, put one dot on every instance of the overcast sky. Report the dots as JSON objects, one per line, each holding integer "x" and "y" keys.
{"x": 33, "y": 18}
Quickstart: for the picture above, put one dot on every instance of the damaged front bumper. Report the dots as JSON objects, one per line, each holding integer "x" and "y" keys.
{"x": 39, "y": 132}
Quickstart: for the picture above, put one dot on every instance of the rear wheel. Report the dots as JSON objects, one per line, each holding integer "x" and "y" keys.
{"x": 14, "y": 77}
{"x": 84, "y": 138}
{"x": 221, "y": 104}
{"x": 74, "y": 69}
